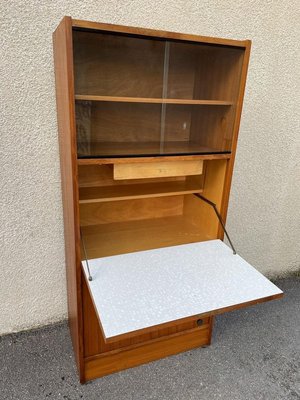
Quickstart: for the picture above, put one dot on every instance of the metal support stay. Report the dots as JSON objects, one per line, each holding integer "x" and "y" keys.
{"x": 213, "y": 205}
{"x": 85, "y": 256}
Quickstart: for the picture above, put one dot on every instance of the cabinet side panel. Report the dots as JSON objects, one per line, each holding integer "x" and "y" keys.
{"x": 237, "y": 119}
{"x": 63, "y": 60}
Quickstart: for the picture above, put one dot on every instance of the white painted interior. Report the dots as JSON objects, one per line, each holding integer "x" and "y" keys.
{"x": 263, "y": 216}
{"x": 138, "y": 290}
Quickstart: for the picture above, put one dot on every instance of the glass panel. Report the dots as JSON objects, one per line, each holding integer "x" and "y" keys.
{"x": 117, "y": 65}
{"x": 112, "y": 129}
{"x": 143, "y": 97}
{"x": 204, "y": 72}
{"x": 197, "y": 129}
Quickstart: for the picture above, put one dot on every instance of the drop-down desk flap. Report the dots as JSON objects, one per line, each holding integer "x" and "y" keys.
{"x": 138, "y": 291}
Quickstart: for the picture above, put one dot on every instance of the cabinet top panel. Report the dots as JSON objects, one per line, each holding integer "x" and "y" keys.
{"x": 140, "y": 290}
{"x": 89, "y": 25}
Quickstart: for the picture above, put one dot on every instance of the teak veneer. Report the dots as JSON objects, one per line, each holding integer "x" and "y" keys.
{"x": 154, "y": 101}
{"x": 146, "y": 120}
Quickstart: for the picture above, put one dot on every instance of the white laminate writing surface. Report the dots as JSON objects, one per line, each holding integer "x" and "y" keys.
{"x": 147, "y": 288}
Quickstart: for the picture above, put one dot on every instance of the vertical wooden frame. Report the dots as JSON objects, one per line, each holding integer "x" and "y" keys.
{"x": 236, "y": 126}
{"x": 63, "y": 60}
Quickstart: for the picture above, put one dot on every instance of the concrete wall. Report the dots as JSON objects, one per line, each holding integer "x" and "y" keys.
{"x": 264, "y": 207}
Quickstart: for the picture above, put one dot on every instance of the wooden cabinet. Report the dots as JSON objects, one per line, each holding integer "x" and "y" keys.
{"x": 148, "y": 124}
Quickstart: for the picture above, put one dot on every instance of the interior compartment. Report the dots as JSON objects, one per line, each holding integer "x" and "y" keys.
{"x": 201, "y": 71}
{"x": 97, "y": 184}
{"x": 116, "y": 129}
{"x": 146, "y": 97}
{"x": 142, "y": 221}
{"x": 119, "y": 65}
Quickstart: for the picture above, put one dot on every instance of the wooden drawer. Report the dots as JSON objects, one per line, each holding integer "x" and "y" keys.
{"x": 157, "y": 169}
{"x": 137, "y": 354}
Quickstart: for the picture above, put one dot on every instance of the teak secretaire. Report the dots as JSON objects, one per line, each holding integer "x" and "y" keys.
{"x": 148, "y": 125}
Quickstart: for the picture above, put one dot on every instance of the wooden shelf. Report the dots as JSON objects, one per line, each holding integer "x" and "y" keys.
{"x": 136, "y": 191}
{"x": 123, "y": 160}
{"x": 153, "y": 100}
{"x": 123, "y": 149}
{"x": 126, "y": 237}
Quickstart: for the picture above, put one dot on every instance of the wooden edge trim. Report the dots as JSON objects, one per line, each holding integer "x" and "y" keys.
{"x": 96, "y": 312}
{"x": 237, "y": 120}
{"x": 242, "y": 305}
{"x": 62, "y": 36}
{"x": 149, "y": 100}
{"x": 142, "y": 196}
{"x": 211, "y": 326}
{"x": 192, "y": 318}
{"x": 76, "y": 23}
{"x": 126, "y": 160}
{"x": 158, "y": 327}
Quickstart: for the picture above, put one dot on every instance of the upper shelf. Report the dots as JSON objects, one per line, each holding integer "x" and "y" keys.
{"x": 122, "y": 160}
{"x": 118, "y": 99}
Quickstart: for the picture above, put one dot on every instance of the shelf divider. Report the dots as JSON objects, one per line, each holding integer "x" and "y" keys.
{"x": 136, "y": 191}
{"x": 150, "y": 100}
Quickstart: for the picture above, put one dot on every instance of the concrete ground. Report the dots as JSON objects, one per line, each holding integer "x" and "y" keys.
{"x": 255, "y": 355}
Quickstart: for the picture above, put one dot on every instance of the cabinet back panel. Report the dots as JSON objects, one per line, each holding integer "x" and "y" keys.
{"x": 130, "y": 210}
{"x": 116, "y": 65}
{"x": 120, "y": 122}
{"x": 177, "y": 123}
{"x": 213, "y": 127}
{"x": 218, "y": 73}
{"x": 199, "y": 71}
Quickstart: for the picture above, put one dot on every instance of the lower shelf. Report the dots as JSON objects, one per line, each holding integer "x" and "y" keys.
{"x": 137, "y": 191}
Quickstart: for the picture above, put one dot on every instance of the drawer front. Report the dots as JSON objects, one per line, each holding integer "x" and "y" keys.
{"x": 157, "y": 169}
{"x": 133, "y": 355}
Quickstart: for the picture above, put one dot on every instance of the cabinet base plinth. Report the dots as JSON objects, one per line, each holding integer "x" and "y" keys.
{"x": 118, "y": 360}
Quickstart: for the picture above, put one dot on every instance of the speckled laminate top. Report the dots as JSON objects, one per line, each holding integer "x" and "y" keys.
{"x": 138, "y": 290}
